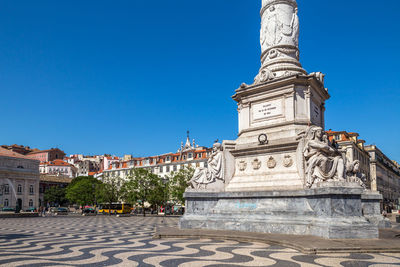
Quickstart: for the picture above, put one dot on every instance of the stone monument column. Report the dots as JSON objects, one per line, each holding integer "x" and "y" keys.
{"x": 279, "y": 39}
{"x": 282, "y": 175}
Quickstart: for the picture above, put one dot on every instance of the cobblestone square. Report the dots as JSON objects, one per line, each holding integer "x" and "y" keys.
{"x": 127, "y": 241}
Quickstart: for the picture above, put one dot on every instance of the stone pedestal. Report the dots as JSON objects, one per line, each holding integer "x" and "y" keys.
{"x": 333, "y": 212}
{"x": 281, "y": 110}
{"x": 371, "y": 207}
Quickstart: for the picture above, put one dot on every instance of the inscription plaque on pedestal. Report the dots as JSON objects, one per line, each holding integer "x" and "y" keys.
{"x": 315, "y": 114}
{"x": 267, "y": 110}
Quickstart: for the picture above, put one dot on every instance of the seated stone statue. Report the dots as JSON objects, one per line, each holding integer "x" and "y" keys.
{"x": 323, "y": 162}
{"x": 214, "y": 170}
{"x": 355, "y": 175}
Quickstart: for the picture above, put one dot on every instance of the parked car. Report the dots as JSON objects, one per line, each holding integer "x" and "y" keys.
{"x": 59, "y": 211}
{"x": 31, "y": 210}
{"x": 89, "y": 211}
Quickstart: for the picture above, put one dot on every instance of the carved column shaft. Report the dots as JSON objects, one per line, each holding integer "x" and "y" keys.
{"x": 279, "y": 39}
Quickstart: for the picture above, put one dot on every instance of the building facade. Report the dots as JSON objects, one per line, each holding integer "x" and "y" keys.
{"x": 58, "y": 167}
{"x": 19, "y": 178}
{"x": 188, "y": 155}
{"x": 86, "y": 165}
{"x": 48, "y": 181}
{"x": 46, "y": 155}
{"x": 385, "y": 177}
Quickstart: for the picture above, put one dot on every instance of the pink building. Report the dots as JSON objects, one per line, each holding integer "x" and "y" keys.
{"x": 46, "y": 155}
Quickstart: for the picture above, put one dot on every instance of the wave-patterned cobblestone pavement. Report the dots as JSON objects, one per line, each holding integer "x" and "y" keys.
{"x": 127, "y": 241}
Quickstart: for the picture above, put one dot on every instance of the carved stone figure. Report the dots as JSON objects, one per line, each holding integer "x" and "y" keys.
{"x": 279, "y": 26}
{"x": 214, "y": 170}
{"x": 256, "y": 164}
{"x": 323, "y": 162}
{"x": 242, "y": 165}
{"x": 287, "y": 161}
{"x": 355, "y": 175}
{"x": 271, "y": 163}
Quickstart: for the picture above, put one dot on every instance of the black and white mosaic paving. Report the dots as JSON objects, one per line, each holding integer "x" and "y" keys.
{"x": 127, "y": 241}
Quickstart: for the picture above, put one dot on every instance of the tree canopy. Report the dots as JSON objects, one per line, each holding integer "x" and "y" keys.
{"x": 83, "y": 190}
{"x": 178, "y": 182}
{"x": 143, "y": 186}
{"x": 110, "y": 190}
{"x": 55, "y": 196}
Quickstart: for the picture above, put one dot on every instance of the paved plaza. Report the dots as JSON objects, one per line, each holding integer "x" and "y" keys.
{"x": 128, "y": 241}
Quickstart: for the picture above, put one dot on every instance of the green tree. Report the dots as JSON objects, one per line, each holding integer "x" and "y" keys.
{"x": 55, "y": 195}
{"x": 178, "y": 182}
{"x": 143, "y": 186}
{"x": 109, "y": 190}
{"x": 82, "y": 190}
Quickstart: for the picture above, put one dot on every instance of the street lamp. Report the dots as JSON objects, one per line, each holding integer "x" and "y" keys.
{"x": 94, "y": 194}
{"x": 165, "y": 182}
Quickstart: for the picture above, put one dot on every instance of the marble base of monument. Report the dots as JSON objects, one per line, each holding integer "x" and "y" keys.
{"x": 371, "y": 207}
{"x": 333, "y": 211}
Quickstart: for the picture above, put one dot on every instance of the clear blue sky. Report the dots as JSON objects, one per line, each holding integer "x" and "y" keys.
{"x": 132, "y": 76}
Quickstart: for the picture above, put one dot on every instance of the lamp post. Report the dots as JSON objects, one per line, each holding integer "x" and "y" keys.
{"x": 94, "y": 194}
{"x": 2, "y": 194}
{"x": 165, "y": 182}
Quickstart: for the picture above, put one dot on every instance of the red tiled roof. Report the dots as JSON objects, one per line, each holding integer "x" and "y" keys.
{"x": 56, "y": 162}
{"x": 39, "y": 151}
{"x": 12, "y": 154}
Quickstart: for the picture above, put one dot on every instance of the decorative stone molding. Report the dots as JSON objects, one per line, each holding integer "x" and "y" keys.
{"x": 256, "y": 164}
{"x": 242, "y": 165}
{"x": 287, "y": 161}
{"x": 271, "y": 163}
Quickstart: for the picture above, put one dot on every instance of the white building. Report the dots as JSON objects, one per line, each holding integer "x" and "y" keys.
{"x": 19, "y": 181}
{"x": 188, "y": 155}
{"x": 58, "y": 167}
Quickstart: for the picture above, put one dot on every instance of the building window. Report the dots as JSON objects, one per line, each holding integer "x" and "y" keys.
{"x": 184, "y": 157}
{"x": 175, "y": 168}
{"x": 31, "y": 189}
{"x": 6, "y": 203}
{"x": 30, "y": 203}
{"x": 168, "y": 158}
{"x": 6, "y": 189}
{"x": 167, "y": 169}
{"x": 190, "y": 155}
{"x": 19, "y": 189}
{"x": 338, "y": 137}
{"x": 161, "y": 169}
